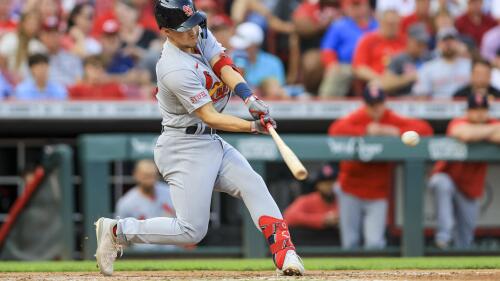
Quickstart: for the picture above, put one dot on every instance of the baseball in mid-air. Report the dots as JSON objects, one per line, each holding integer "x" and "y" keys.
{"x": 410, "y": 138}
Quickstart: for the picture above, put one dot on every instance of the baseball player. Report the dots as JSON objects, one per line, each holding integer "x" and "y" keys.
{"x": 195, "y": 82}
{"x": 365, "y": 186}
{"x": 458, "y": 186}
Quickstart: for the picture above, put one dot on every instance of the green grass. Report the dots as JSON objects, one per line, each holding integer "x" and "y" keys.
{"x": 262, "y": 264}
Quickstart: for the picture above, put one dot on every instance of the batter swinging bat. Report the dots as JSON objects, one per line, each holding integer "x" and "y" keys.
{"x": 298, "y": 170}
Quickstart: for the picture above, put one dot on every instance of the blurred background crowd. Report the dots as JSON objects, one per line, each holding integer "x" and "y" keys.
{"x": 287, "y": 49}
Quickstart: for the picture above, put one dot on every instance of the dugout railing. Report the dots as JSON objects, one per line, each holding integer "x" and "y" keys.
{"x": 96, "y": 152}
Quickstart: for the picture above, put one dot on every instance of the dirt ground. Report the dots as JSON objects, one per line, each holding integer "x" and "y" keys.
{"x": 345, "y": 275}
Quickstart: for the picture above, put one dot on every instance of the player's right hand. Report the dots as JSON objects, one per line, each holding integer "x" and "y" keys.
{"x": 260, "y": 126}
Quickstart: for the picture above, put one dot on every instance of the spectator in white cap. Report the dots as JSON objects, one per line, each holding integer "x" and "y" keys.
{"x": 258, "y": 66}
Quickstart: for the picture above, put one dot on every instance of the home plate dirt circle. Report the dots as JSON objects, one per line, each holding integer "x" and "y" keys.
{"x": 345, "y": 275}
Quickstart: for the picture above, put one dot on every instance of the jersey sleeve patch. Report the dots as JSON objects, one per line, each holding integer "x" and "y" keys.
{"x": 198, "y": 97}
{"x": 188, "y": 89}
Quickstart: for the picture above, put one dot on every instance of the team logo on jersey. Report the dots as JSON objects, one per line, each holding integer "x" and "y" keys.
{"x": 217, "y": 90}
{"x": 187, "y": 10}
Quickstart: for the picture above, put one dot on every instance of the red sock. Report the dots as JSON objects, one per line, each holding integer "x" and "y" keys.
{"x": 114, "y": 230}
{"x": 277, "y": 237}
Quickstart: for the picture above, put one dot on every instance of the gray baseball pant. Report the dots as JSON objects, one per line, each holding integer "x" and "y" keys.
{"x": 361, "y": 216}
{"x": 194, "y": 166}
{"x": 456, "y": 214}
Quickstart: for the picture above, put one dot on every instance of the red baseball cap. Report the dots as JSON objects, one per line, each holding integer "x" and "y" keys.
{"x": 110, "y": 26}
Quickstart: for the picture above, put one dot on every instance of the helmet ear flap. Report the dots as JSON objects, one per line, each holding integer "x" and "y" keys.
{"x": 204, "y": 29}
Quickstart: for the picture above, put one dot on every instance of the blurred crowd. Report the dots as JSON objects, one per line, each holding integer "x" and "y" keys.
{"x": 287, "y": 49}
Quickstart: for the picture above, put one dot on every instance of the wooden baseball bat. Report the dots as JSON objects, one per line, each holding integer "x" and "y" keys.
{"x": 298, "y": 170}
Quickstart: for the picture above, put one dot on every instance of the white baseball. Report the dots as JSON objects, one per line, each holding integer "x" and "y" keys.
{"x": 410, "y": 138}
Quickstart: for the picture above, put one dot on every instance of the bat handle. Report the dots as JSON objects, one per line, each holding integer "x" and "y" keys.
{"x": 270, "y": 127}
{"x": 272, "y": 132}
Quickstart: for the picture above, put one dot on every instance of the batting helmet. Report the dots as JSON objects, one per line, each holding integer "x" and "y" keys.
{"x": 179, "y": 15}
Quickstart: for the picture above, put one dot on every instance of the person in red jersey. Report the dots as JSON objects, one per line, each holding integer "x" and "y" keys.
{"x": 95, "y": 85}
{"x": 7, "y": 24}
{"x": 458, "y": 186}
{"x": 375, "y": 49}
{"x": 474, "y": 23}
{"x": 318, "y": 209}
{"x": 365, "y": 186}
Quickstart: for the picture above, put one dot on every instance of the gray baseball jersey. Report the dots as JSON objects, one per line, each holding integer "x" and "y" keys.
{"x": 136, "y": 205}
{"x": 194, "y": 165}
{"x": 186, "y": 82}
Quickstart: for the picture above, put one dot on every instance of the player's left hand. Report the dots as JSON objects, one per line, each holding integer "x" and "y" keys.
{"x": 256, "y": 107}
{"x": 260, "y": 126}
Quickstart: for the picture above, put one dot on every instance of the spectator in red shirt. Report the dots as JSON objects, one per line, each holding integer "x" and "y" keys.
{"x": 365, "y": 186}
{"x": 318, "y": 209}
{"x": 474, "y": 23}
{"x": 458, "y": 186}
{"x": 6, "y": 22}
{"x": 375, "y": 49}
{"x": 95, "y": 84}
{"x": 422, "y": 14}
